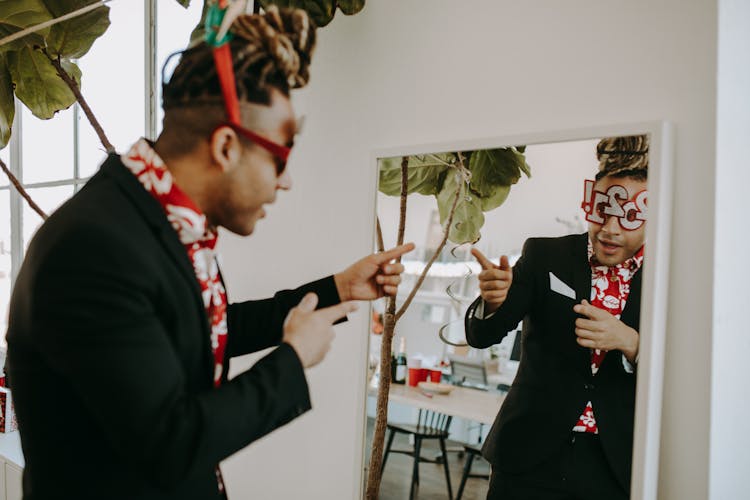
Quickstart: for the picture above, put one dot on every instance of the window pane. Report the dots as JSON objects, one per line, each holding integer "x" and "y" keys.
{"x": 4, "y": 262}
{"x": 173, "y": 30}
{"x": 5, "y": 157}
{"x": 46, "y": 147}
{"x": 48, "y": 200}
{"x": 113, "y": 85}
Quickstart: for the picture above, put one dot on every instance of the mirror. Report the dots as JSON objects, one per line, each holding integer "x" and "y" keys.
{"x": 538, "y": 374}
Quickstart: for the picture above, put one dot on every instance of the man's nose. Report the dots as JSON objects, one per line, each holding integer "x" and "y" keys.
{"x": 611, "y": 224}
{"x": 284, "y": 181}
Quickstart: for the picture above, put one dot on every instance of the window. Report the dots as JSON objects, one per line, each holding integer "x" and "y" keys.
{"x": 54, "y": 158}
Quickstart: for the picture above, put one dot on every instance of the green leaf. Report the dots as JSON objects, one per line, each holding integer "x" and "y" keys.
{"x": 17, "y": 15}
{"x": 494, "y": 168}
{"x": 7, "y": 104}
{"x": 37, "y": 84}
{"x": 321, "y": 11}
{"x": 184, "y": 3}
{"x": 32, "y": 39}
{"x": 350, "y": 7}
{"x": 468, "y": 218}
{"x": 495, "y": 199}
{"x": 199, "y": 32}
{"x": 425, "y": 175}
{"x": 74, "y": 37}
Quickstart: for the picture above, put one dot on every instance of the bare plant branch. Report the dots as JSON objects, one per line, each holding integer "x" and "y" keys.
{"x": 73, "y": 86}
{"x": 381, "y": 245}
{"x": 17, "y": 184}
{"x": 381, "y": 417}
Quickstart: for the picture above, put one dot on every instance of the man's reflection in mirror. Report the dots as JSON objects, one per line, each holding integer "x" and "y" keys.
{"x": 565, "y": 430}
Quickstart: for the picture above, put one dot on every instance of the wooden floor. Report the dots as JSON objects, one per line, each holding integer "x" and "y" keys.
{"x": 397, "y": 475}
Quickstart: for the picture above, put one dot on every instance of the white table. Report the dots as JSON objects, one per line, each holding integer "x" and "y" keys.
{"x": 470, "y": 404}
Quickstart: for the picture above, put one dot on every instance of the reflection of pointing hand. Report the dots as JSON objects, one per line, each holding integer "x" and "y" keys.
{"x": 310, "y": 332}
{"x": 494, "y": 281}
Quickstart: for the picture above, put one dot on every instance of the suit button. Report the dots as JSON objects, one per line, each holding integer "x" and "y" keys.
{"x": 588, "y": 387}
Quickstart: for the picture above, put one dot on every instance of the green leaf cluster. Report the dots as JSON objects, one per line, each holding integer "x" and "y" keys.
{"x": 493, "y": 172}
{"x": 26, "y": 70}
{"x": 321, "y": 11}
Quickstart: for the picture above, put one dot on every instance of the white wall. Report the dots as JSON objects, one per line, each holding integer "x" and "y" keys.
{"x": 730, "y": 406}
{"x": 425, "y": 71}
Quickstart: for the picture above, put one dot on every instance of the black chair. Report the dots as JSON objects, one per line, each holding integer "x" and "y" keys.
{"x": 430, "y": 425}
{"x": 472, "y": 451}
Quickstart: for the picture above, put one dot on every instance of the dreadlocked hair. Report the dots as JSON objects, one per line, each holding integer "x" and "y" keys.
{"x": 625, "y": 156}
{"x": 269, "y": 50}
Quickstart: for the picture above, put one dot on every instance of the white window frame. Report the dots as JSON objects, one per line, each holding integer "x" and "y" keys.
{"x": 15, "y": 145}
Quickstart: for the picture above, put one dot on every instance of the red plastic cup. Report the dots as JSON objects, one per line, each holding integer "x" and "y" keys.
{"x": 435, "y": 376}
{"x": 424, "y": 374}
{"x": 414, "y": 376}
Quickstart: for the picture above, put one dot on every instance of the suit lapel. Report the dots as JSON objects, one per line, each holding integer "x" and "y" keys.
{"x": 152, "y": 212}
{"x": 582, "y": 284}
{"x": 631, "y": 314}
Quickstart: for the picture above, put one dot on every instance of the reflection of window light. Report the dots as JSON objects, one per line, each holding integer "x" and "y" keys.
{"x": 449, "y": 269}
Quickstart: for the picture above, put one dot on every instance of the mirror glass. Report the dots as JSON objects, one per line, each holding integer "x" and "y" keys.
{"x": 523, "y": 358}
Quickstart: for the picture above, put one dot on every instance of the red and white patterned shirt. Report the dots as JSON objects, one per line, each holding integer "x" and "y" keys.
{"x": 196, "y": 235}
{"x": 610, "y": 288}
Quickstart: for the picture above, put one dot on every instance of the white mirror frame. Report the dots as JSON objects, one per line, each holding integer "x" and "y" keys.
{"x": 649, "y": 386}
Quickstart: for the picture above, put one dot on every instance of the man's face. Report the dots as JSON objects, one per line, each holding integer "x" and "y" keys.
{"x": 252, "y": 181}
{"x": 613, "y": 244}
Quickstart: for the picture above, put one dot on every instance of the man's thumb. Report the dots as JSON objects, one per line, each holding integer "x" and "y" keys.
{"x": 504, "y": 263}
{"x": 308, "y": 302}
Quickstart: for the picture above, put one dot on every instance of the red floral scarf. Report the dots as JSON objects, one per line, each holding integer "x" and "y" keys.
{"x": 196, "y": 235}
{"x": 610, "y": 289}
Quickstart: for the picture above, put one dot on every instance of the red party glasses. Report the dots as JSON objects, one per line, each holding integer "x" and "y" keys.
{"x": 279, "y": 151}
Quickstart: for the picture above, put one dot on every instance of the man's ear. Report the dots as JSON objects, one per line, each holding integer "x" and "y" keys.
{"x": 225, "y": 147}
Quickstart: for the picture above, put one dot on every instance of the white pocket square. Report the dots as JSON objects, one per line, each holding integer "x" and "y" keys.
{"x": 557, "y": 285}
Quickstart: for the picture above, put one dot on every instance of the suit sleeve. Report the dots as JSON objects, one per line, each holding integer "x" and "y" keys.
{"x": 258, "y": 324}
{"x": 482, "y": 333}
{"x": 96, "y": 325}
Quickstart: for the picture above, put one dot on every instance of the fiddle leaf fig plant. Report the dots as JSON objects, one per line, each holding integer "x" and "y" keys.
{"x": 25, "y": 64}
{"x": 465, "y": 184}
{"x": 492, "y": 172}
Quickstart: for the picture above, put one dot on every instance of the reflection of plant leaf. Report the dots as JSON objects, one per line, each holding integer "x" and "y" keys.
{"x": 7, "y": 108}
{"x": 425, "y": 176}
{"x": 493, "y": 168}
{"x": 37, "y": 84}
{"x": 468, "y": 218}
{"x": 496, "y": 199}
{"x": 74, "y": 37}
{"x": 15, "y": 16}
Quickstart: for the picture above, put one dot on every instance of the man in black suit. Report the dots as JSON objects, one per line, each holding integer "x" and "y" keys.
{"x": 120, "y": 331}
{"x": 565, "y": 429}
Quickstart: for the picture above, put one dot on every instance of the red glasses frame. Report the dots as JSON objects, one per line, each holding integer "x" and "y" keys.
{"x": 279, "y": 151}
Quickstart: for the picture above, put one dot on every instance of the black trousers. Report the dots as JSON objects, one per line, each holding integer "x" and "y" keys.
{"x": 578, "y": 471}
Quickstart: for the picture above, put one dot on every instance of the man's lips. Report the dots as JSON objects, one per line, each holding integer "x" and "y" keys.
{"x": 609, "y": 246}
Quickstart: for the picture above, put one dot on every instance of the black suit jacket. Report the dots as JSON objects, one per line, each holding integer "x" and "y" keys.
{"x": 554, "y": 379}
{"x": 110, "y": 361}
